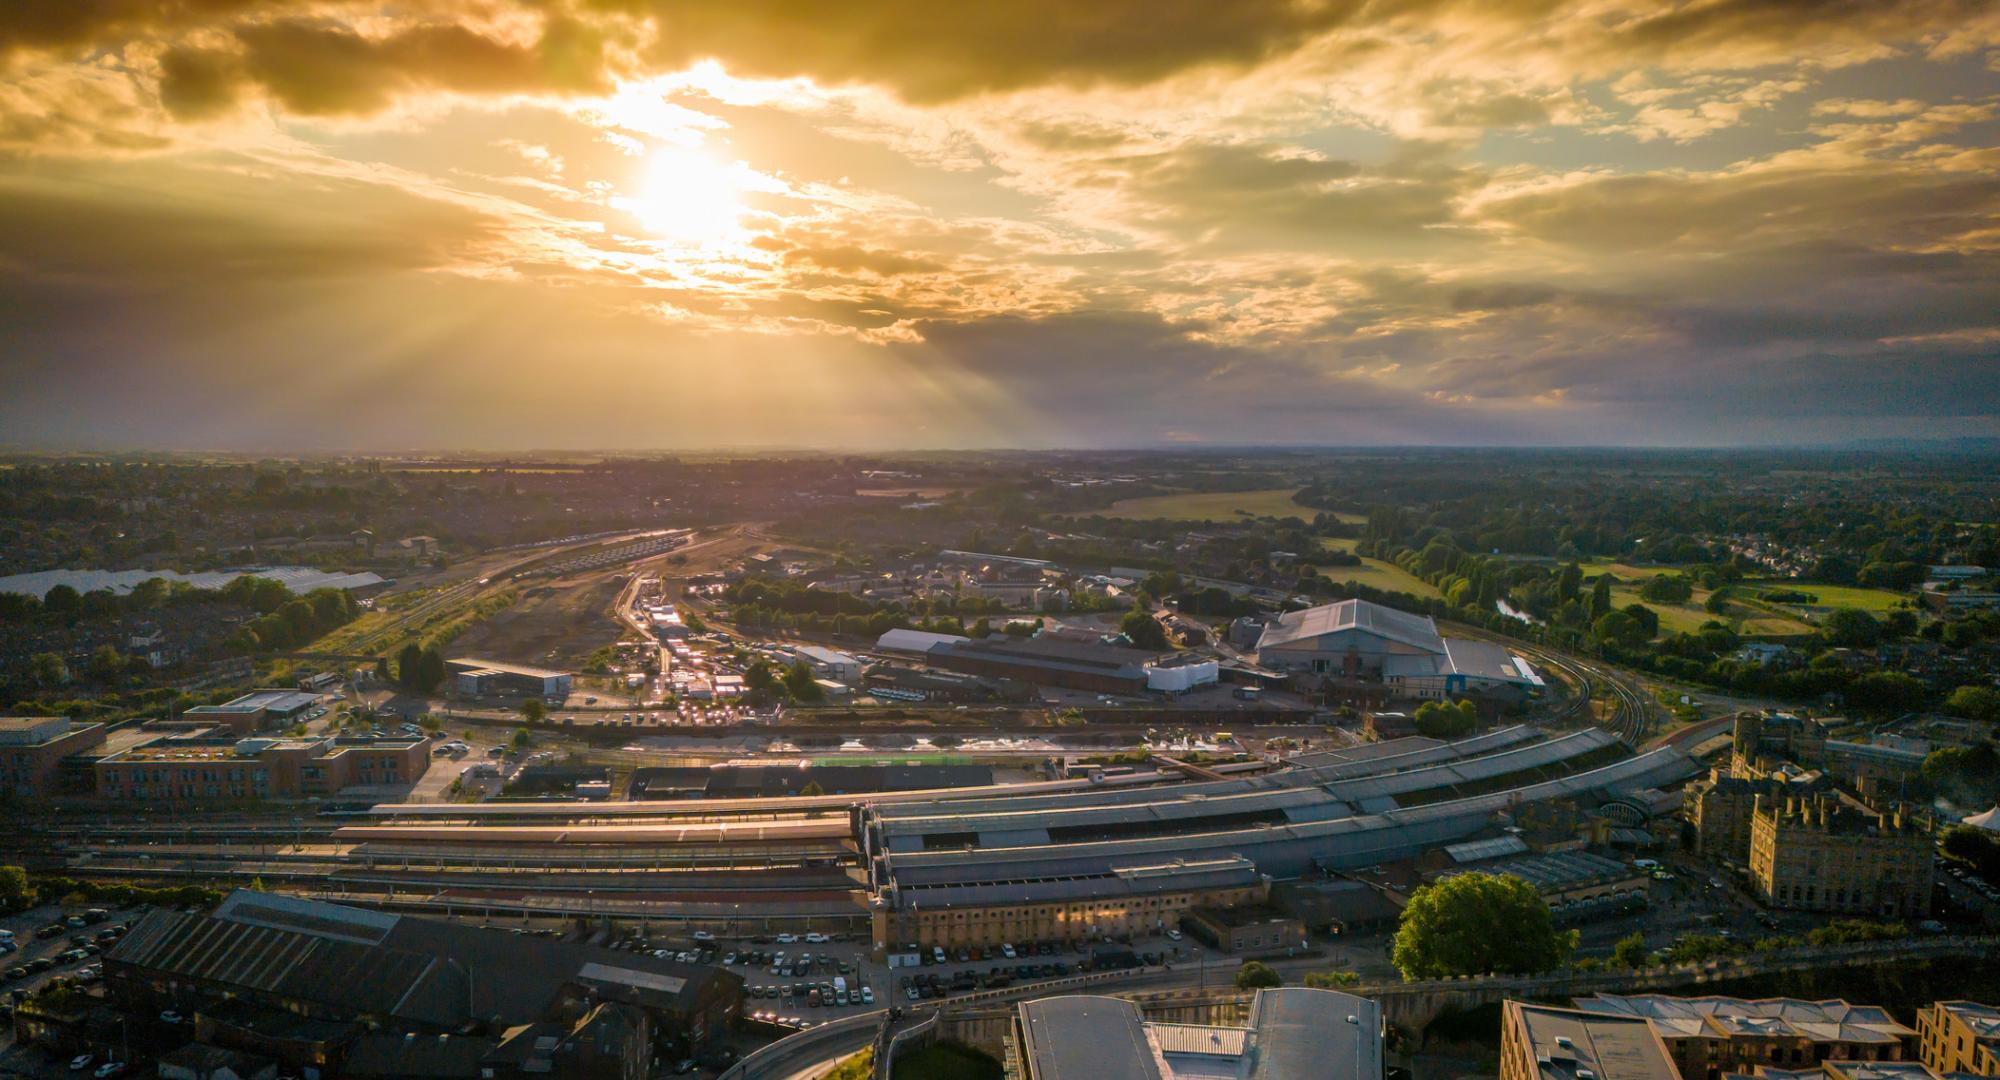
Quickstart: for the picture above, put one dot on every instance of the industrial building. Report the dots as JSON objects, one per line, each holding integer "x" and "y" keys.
{"x": 476, "y": 677}
{"x": 32, "y": 749}
{"x": 1071, "y": 665}
{"x": 1356, "y": 639}
{"x": 1016, "y": 869}
{"x": 1289, "y": 1032}
{"x": 1577, "y": 885}
{"x": 831, "y": 664}
{"x": 1710, "y": 1036}
{"x": 779, "y": 781}
{"x": 1539, "y": 1042}
{"x": 255, "y": 711}
{"x": 345, "y": 965}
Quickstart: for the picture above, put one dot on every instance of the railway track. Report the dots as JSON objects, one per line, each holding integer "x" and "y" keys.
{"x": 1631, "y": 712}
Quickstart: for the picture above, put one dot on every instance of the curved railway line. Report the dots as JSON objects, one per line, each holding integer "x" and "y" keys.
{"x": 1631, "y": 712}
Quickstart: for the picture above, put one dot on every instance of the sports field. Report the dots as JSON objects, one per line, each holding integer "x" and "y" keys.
{"x": 1831, "y": 596}
{"x": 1214, "y": 506}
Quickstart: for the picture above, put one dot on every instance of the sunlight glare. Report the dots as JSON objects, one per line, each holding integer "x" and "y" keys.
{"x": 690, "y": 197}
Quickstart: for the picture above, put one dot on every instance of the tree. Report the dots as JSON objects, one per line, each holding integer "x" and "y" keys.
{"x": 521, "y": 740}
{"x": 1631, "y": 951}
{"x": 1475, "y": 924}
{"x": 1717, "y": 602}
{"x": 1330, "y": 980}
{"x": 799, "y": 683}
{"x": 1569, "y": 582}
{"x": 409, "y": 666}
{"x": 106, "y": 662}
{"x": 533, "y": 711}
{"x": 382, "y": 670}
{"x": 1256, "y": 975}
{"x": 16, "y": 894}
{"x": 430, "y": 671}
{"x": 982, "y": 628}
{"x": 1445, "y": 719}
{"x": 1144, "y": 631}
{"x": 1618, "y": 628}
{"x": 1852, "y": 629}
{"x": 1647, "y": 618}
{"x": 1667, "y": 589}
{"x": 47, "y": 669}
{"x": 1600, "y": 597}
{"x": 1974, "y": 703}
{"x": 62, "y": 600}
{"x": 1886, "y": 693}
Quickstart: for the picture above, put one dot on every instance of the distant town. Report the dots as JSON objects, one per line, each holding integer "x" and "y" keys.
{"x": 1423, "y": 764}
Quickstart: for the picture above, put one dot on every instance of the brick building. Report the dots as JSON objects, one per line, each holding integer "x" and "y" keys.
{"x": 182, "y": 770}
{"x": 32, "y": 749}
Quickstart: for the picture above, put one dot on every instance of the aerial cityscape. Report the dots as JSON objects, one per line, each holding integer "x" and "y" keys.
{"x": 1083, "y": 540}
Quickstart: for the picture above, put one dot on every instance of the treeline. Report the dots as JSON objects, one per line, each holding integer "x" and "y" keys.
{"x": 283, "y": 619}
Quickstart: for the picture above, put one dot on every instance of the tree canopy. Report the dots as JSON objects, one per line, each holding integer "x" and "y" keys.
{"x": 1476, "y": 924}
{"x": 1256, "y": 974}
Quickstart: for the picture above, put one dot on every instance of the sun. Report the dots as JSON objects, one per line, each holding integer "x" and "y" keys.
{"x": 688, "y": 196}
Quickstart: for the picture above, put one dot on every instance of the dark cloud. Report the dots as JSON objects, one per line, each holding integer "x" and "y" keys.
{"x": 319, "y": 67}
{"x": 1268, "y": 196}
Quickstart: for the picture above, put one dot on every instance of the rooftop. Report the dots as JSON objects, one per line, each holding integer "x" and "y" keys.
{"x": 1571, "y": 1043}
{"x": 480, "y": 663}
{"x": 1984, "y": 1020}
{"x": 1293, "y": 1032}
{"x": 1417, "y": 631}
{"x": 1820, "y": 1021}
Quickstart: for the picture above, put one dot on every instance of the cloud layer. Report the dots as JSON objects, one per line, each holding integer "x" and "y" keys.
{"x": 547, "y": 222}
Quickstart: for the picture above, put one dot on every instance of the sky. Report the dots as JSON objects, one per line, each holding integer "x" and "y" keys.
{"x": 631, "y": 224}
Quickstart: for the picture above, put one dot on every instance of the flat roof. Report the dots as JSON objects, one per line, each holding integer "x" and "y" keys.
{"x": 1086, "y": 1037}
{"x": 481, "y": 663}
{"x": 1565, "y": 1043}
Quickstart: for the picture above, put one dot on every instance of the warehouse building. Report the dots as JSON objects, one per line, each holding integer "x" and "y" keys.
{"x": 329, "y": 962}
{"x": 1072, "y": 665}
{"x": 781, "y": 781}
{"x": 1045, "y": 660}
{"x": 1358, "y": 640}
{"x": 831, "y": 664}
{"x": 1062, "y": 903}
{"x": 477, "y": 677}
{"x": 255, "y": 711}
{"x": 1290, "y": 1032}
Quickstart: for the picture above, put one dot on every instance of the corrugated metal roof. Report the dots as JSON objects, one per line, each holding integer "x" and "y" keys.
{"x": 1416, "y": 631}
{"x": 1199, "y": 1039}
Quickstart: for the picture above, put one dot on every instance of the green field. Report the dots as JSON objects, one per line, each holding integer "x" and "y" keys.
{"x": 1749, "y": 619}
{"x": 1624, "y": 571}
{"x": 1833, "y": 596}
{"x": 1213, "y": 506}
